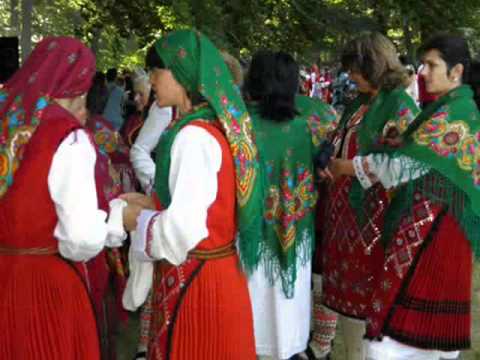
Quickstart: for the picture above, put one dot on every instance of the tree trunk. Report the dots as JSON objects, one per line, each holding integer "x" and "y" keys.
{"x": 96, "y": 39}
{"x": 407, "y": 35}
{"x": 381, "y": 17}
{"x": 26, "y": 39}
{"x": 14, "y": 25}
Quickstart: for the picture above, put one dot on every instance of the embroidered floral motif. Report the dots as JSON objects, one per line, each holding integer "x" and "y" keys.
{"x": 391, "y": 130}
{"x": 321, "y": 124}
{"x": 52, "y": 45}
{"x": 108, "y": 140}
{"x": 469, "y": 155}
{"x": 405, "y": 117}
{"x": 83, "y": 72}
{"x": 243, "y": 153}
{"x": 394, "y": 128}
{"x": 4, "y": 164}
{"x": 433, "y": 129}
{"x": 289, "y": 203}
{"x": 452, "y": 140}
{"x": 72, "y": 58}
{"x": 15, "y": 138}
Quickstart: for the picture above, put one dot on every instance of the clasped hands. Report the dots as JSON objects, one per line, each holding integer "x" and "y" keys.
{"x": 136, "y": 202}
{"x": 336, "y": 168}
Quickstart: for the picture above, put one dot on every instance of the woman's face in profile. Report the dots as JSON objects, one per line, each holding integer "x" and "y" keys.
{"x": 142, "y": 92}
{"x": 79, "y": 108}
{"x": 167, "y": 89}
{"x": 438, "y": 78}
{"x": 76, "y": 106}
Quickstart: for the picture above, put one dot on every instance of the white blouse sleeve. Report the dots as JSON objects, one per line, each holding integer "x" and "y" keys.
{"x": 147, "y": 139}
{"x": 389, "y": 172}
{"x": 196, "y": 158}
{"x": 82, "y": 230}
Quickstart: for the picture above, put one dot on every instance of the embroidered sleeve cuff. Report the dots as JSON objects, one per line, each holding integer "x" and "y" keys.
{"x": 142, "y": 238}
{"x": 362, "y": 176}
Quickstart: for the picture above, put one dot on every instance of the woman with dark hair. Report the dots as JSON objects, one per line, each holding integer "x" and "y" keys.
{"x": 98, "y": 94}
{"x": 288, "y": 131}
{"x": 130, "y": 105}
{"x": 207, "y": 189}
{"x": 350, "y": 248}
{"x": 421, "y": 302}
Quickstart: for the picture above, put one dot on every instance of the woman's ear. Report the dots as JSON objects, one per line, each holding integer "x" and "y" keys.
{"x": 456, "y": 73}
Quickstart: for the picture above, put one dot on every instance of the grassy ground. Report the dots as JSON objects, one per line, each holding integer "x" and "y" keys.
{"x": 128, "y": 337}
{"x": 474, "y": 354}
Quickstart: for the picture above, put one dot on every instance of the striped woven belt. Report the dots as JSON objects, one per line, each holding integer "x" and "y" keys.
{"x": 218, "y": 253}
{"x": 28, "y": 251}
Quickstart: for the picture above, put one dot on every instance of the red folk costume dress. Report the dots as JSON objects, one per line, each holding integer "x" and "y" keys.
{"x": 423, "y": 295}
{"x": 45, "y": 310}
{"x": 205, "y": 296}
{"x": 351, "y": 249}
{"x": 201, "y": 307}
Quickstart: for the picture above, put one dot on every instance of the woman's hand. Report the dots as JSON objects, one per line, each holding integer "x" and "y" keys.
{"x": 325, "y": 174}
{"x": 341, "y": 167}
{"x": 142, "y": 200}
{"x": 336, "y": 169}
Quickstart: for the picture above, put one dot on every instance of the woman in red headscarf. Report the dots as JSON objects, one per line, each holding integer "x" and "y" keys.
{"x": 50, "y": 223}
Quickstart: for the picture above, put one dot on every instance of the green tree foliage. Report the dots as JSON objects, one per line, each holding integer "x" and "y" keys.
{"x": 119, "y": 31}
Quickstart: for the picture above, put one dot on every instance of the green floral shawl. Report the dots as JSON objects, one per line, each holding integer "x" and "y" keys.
{"x": 389, "y": 113}
{"x": 198, "y": 66}
{"x": 445, "y": 141}
{"x": 286, "y": 152}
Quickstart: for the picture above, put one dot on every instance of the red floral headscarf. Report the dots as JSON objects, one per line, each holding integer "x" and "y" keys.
{"x": 58, "y": 68}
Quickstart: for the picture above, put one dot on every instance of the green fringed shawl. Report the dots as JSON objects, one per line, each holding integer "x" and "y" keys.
{"x": 393, "y": 110}
{"x": 444, "y": 140}
{"x": 198, "y": 66}
{"x": 286, "y": 156}
{"x": 321, "y": 118}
